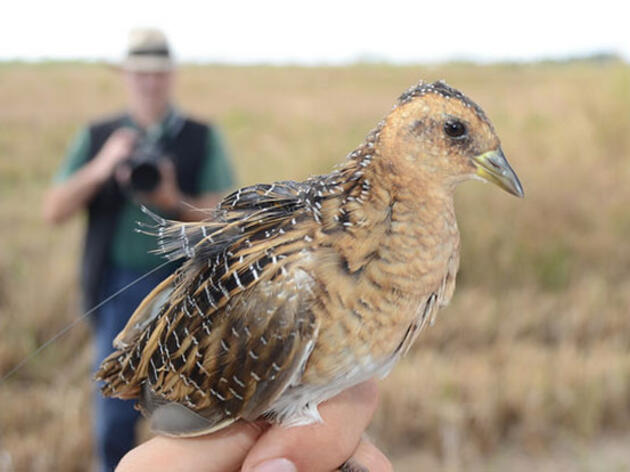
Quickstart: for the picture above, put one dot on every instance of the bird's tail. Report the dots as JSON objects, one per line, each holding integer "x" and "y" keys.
{"x": 120, "y": 370}
{"x": 115, "y": 373}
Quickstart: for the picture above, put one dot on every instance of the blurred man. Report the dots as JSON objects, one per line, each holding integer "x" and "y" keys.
{"x": 148, "y": 155}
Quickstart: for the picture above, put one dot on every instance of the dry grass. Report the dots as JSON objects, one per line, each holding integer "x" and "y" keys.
{"x": 536, "y": 343}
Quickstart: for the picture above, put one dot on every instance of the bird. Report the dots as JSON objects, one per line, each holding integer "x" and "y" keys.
{"x": 292, "y": 292}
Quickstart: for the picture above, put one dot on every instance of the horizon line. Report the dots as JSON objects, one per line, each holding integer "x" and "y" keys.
{"x": 595, "y": 56}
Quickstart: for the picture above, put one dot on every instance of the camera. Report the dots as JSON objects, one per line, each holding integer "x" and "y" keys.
{"x": 143, "y": 163}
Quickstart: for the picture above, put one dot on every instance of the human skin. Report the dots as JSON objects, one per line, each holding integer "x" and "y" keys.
{"x": 259, "y": 447}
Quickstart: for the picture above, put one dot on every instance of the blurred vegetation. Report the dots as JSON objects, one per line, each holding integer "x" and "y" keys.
{"x": 535, "y": 345}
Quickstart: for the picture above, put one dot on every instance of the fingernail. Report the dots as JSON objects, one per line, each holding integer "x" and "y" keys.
{"x": 276, "y": 465}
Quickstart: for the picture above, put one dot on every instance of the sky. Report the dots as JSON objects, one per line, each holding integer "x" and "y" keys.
{"x": 318, "y": 32}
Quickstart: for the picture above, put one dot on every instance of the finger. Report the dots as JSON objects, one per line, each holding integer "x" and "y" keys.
{"x": 126, "y": 133}
{"x": 167, "y": 170}
{"x": 123, "y": 138}
{"x": 367, "y": 458}
{"x": 123, "y": 175}
{"x": 321, "y": 446}
{"x": 222, "y": 451}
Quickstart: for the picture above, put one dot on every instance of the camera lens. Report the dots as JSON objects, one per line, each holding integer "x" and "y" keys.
{"x": 145, "y": 176}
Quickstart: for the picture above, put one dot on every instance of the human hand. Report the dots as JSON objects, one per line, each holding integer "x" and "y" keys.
{"x": 167, "y": 196}
{"x": 259, "y": 447}
{"x": 117, "y": 148}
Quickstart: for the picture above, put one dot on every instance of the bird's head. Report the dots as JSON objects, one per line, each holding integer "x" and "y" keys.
{"x": 437, "y": 132}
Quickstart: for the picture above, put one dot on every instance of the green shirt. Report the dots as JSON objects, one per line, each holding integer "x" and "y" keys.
{"x": 130, "y": 249}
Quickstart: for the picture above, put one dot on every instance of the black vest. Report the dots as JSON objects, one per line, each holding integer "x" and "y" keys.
{"x": 187, "y": 149}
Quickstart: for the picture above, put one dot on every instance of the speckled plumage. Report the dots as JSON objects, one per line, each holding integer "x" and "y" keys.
{"x": 295, "y": 291}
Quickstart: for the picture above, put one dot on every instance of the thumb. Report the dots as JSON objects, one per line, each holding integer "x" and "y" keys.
{"x": 345, "y": 418}
{"x": 167, "y": 168}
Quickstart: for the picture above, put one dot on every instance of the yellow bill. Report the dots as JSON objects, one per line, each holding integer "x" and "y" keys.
{"x": 492, "y": 166}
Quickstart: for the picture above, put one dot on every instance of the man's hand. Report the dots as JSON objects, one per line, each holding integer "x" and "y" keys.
{"x": 63, "y": 200}
{"x": 167, "y": 196}
{"x": 262, "y": 448}
{"x": 116, "y": 149}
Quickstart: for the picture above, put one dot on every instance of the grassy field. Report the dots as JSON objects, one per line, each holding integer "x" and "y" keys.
{"x": 531, "y": 359}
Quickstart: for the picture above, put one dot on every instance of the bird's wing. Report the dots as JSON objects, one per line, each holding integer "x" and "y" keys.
{"x": 146, "y": 312}
{"x": 245, "y": 216}
{"x": 232, "y": 366}
{"x": 236, "y": 329}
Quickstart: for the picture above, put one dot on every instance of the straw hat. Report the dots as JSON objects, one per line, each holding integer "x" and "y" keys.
{"x": 147, "y": 51}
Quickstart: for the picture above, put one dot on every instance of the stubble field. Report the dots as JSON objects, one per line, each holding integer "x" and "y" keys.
{"x": 528, "y": 367}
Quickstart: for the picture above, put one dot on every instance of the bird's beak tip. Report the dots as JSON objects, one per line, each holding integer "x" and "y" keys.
{"x": 519, "y": 191}
{"x": 492, "y": 166}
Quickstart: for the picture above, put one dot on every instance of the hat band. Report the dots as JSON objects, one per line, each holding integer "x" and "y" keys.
{"x": 150, "y": 52}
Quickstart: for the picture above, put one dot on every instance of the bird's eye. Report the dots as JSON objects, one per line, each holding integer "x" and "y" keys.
{"x": 455, "y": 128}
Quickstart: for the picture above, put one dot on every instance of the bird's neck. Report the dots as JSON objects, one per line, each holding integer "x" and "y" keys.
{"x": 379, "y": 215}
{"x": 382, "y": 195}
